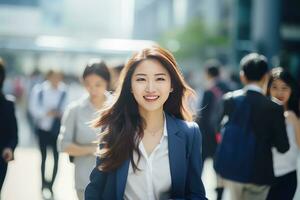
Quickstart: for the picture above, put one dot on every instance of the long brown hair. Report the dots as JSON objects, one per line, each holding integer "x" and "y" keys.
{"x": 124, "y": 125}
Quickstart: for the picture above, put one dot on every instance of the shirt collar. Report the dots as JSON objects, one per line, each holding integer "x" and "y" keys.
{"x": 253, "y": 87}
{"x": 165, "y": 126}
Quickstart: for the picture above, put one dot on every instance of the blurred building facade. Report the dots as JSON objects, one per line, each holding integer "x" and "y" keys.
{"x": 68, "y": 32}
{"x": 61, "y": 33}
{"x": 270, "y": 27}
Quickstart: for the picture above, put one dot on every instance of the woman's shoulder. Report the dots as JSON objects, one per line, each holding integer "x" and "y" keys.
{"x": 81, "y": 102}
{"x": 73, "y": 106}
{"x": 186, "y": 126}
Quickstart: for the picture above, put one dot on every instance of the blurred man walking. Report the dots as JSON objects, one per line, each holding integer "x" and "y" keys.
{"x": 254, "y": 124}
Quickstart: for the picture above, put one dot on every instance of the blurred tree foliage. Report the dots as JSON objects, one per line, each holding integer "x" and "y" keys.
{"x": 194, "y": 41}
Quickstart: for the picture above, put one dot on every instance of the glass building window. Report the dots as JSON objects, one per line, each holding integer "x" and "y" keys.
{"x": 20, "y": 2}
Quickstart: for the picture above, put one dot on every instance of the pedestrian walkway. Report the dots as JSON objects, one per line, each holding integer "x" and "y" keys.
{"x": 23, "y": 178}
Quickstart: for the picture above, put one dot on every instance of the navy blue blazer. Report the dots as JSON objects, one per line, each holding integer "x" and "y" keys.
{"x": 184, "y": 143}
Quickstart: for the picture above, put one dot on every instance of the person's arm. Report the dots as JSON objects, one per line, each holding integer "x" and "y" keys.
{"x": 13, "y": 126}
{"x": 297, "y": 131}
{"x": 194, "y": 185}
{"x": 79, "y": 150}
{"x": 7, "y": 153}
{"x": 295, "y": 121}
{"x": 95, "y": 188}
{"x": 67, "y": 133}
{"x": 280, "y": 139}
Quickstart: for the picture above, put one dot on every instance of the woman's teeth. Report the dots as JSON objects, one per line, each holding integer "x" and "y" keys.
{"x": 151, "y": 97}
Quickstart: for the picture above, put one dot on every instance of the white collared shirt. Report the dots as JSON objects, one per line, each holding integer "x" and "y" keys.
{"x": 153, "y": 180}
{"x": 50, "y": 100}
{"x": 253, "y": 87}
{"x": 285, "y": 163}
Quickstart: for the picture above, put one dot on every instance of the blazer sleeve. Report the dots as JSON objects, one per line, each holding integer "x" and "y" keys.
{"x": 280, "y": 139}
{"x": 13, "y": 127}
{"x": 195, "y": 188}
{"x": 95, "y": 188}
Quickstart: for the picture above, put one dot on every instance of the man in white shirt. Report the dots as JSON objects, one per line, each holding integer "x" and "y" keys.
{"x": 47, "y": 102}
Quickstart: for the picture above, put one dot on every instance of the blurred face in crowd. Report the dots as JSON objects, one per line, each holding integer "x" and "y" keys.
{"x": 151, "y": 85}
{"x": 55, "y": 78}
{"x": 280, "y": 90}
{"x": 95, "y": 85}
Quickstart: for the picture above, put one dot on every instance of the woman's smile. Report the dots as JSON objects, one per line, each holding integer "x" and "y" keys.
{"x": 151, "y": 98}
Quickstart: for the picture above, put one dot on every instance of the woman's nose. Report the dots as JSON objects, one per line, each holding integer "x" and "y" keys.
{"x": 150, "y": 86}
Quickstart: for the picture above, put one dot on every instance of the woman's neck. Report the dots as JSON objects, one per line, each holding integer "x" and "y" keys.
{"x": 285, "y": 107}
{"x": 97, "y": 102}
{"x": 154, "y": 120}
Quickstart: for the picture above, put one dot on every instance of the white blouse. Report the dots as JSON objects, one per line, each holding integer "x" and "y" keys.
{"x": 153, "y": 180}
{"x": 285, "y": 163}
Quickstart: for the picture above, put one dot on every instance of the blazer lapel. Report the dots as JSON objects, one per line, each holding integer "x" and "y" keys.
{"x": 177, "y": 157}
{"x": 122, "y": 174}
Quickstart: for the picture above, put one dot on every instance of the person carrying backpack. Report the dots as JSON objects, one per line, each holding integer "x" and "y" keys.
{"x": 210, "y": 111}
{"x": 253, "y": 124}
{"x": 47, "y": 102}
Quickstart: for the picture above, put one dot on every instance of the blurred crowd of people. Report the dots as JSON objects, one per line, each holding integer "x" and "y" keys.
{"x": 259, "y": 163}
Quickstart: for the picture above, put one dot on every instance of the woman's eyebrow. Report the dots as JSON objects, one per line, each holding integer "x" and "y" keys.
{"x": 140, "y": 74}
{"x": 158, "y": 74}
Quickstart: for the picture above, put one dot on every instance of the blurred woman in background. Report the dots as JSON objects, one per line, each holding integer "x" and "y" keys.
{"x": 76, "y": 136}
{"x": 283, "y": 87}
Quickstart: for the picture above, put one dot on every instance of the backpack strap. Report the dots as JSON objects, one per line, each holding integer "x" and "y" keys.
{"x": 41, "y": 98}
{"x": 61, "y": 99}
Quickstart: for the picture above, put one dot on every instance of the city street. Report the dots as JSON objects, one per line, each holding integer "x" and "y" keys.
{"x": 23, "y": 178}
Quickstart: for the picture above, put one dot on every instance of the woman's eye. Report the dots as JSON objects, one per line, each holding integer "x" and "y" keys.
{"x": 160, "y": 79}
{"x": 274, "y": 87}
{"x": 140, "y": 79}
{"x": 285, "y": 88}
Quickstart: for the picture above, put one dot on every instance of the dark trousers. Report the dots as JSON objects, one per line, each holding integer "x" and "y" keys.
{"x": 3, "y": 170}
{"x": 48, "y": 140}
{"x": 284, "y": 187}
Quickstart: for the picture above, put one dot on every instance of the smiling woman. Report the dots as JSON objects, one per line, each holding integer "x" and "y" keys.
{"x": 147, "y": 149}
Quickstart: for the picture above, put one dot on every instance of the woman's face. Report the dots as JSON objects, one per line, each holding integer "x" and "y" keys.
{"x": 151, "y": 85}
{"x": 95, "y": 85}
{"x": 280, "y": 90}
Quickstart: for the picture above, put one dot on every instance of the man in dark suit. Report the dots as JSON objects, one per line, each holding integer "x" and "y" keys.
{"x": 8, "y": 128}
{"x": 267, "y": 123}
{"x": 210, "y": 110}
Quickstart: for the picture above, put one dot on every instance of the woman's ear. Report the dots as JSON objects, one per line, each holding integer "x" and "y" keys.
{"x": 171, "y": 90}
{"x": 243, "y": 78}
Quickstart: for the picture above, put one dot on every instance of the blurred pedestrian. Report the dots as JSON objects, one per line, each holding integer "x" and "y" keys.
{"x": 147, "y": 150}
{"x": 77, "y": 137}
{"x": 210, "y": 107}
{"x": 33, "y": 79}
{"x": 283, "y": 87}
{"x": 253, "y": 125}
{"x": 210, "y": 111}
{"x": 8, "y": 128}
{"x": 116, "y": 71}
{"x": 47, "y": 102}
